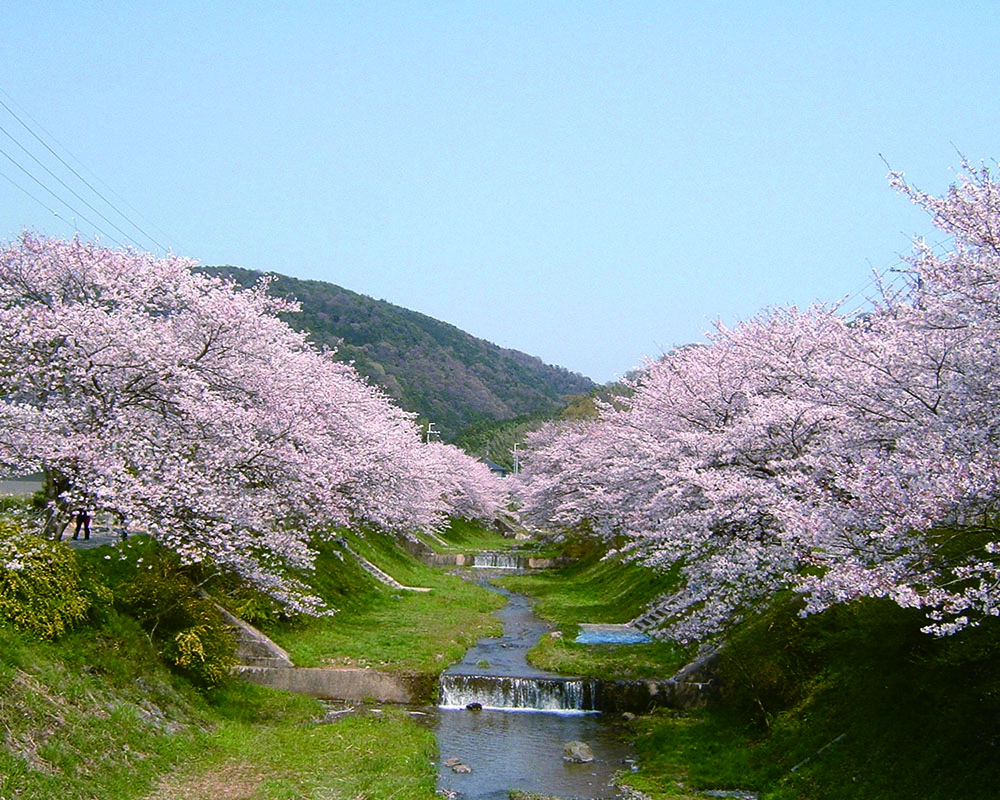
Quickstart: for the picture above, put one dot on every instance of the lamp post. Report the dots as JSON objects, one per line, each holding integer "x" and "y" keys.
{"x": 430, "y": 430}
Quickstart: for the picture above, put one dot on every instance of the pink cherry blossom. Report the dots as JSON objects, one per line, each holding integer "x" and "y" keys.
{"x": 183, "y": 405}
{"x": 803, "y": 450}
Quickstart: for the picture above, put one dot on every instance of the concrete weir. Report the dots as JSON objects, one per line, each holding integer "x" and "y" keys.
{"x": 351, "y": 684}
{"x": 501, "y": 561}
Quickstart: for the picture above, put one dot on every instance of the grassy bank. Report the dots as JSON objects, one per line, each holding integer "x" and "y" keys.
{"x": 96, "y": 714}
{"x": 464, "y": 536}
{"x": 99, "y": 711}
{"x": 596, "y": 590}
{"x": 854, "y": 704}
{"x": 377, "y": 626}
{"x": 279, "y": 751}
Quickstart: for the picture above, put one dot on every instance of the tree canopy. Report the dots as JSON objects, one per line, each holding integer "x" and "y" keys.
{"x": 182, "y": 404}
{"x": 840, "y": 458}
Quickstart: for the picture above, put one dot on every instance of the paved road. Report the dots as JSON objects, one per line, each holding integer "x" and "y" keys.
{"x": 20, "y": 486}
{"x": 98, "y": 537}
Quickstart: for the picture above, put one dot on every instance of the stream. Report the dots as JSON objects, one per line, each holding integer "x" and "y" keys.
{"x": 522, "y": 719}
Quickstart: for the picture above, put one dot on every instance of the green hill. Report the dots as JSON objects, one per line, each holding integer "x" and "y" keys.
{"x": 430, "y": 367}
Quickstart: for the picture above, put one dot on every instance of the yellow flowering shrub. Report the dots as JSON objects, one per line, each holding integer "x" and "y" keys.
{"x": 40, "y": 584}
{"x": 187, "y": 628}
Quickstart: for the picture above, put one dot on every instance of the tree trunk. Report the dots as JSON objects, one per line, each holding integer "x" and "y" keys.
{"x": 57, "y": 514}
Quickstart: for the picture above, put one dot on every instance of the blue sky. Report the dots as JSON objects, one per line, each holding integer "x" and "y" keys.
{"x": 591, "y": 183}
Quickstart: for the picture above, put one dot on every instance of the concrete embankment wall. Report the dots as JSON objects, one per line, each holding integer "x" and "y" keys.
{"x": 360, "y": 685}
{"x": 348, "y": 684}
{"x": 462, "y": 560}
{"x": 639, "y": 697}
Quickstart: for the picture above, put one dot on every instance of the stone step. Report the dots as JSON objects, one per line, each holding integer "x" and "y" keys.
{"x": 649, "y": 619}
{"x": 253, "y": 646}
{"x": 379, "y": 575}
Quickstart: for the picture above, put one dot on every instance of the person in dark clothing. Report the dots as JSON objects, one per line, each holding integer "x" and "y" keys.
{"x": 83, "y": 516}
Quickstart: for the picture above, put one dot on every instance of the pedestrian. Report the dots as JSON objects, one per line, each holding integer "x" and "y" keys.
{"x": 83, "y": 516}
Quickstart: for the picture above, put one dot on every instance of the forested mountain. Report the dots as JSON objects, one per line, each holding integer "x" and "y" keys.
{"x": 445, "y": 375}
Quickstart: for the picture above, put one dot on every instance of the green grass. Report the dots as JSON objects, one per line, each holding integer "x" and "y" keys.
{"x": 593, "y": 590}
{"x": 683, "y": 754}
{"x": 370, "y": 755}
{"x": 94, "y": 714}
{"x": 97, "y": 712}
{"x": 655, "y": 660}
{"x": 855, "y": 704}
{"x": 464, "y": 536}
{"x": 377, "y": 626}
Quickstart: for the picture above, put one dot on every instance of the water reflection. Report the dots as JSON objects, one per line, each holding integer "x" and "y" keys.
{"x": 524, "y": 750}
{"x": 521, "y": 749}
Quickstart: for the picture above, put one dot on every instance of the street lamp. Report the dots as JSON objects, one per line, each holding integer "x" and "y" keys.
{"x": 430, "y": 430}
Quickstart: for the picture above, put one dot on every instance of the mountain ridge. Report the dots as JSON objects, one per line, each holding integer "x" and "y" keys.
{"x": 430, "y": 367}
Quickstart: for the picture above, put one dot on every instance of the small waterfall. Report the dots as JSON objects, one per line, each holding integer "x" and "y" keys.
{"x": 499, "y": 561}
{"x": 506, "y": 692}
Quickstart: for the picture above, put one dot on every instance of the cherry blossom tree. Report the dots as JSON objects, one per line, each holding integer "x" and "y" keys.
{"x": 699, "y": 466}
{"x": 919, "y": 468}
{"x": 184, "y": 406}
{"x": 840, "y": 458}
{"x": 464, "y": 484}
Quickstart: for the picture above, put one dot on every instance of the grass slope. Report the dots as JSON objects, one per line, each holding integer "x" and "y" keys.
{"x": 462, "y": 536}
{"x": 290, "y": 756}
{"x": 377, "y": 626}
{"x": 854, "y": 704}
{"x": 93, "y": 715}
{"x": 97, "y": 714}
{"x": 597, "y": 590}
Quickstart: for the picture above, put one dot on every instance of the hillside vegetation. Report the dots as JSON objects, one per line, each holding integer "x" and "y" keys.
{"x": 430, "y": 367}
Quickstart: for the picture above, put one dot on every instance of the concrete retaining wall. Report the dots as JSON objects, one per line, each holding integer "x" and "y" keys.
{"x": 466, "y": 560}
{"x": 694, "y": 686}
{"x": 349, "y": 684}
{"x": 639, "y": 697}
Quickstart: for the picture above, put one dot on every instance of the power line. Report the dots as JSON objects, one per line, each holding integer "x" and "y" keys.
{"x": 10, "y": 158}
{"x": 80, "y": 177}
{"x": 67, "y": 187}
{"x": 90, "y": 186}
{"x": 16, "y": 185}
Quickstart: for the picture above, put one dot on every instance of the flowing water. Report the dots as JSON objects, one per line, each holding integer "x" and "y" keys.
{"x": 499, "y": 560}
{"x": 522, "y": 718}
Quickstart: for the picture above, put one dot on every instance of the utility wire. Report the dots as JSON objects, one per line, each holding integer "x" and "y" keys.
{"x": 83, "y": 167}
{"x": 96, "y": 227}
{"x": 52, "y": 211}
{"x": 66, "y": 186}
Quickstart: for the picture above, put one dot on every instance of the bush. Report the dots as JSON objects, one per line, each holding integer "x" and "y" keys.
{"x": 185, "y": 625}
{"x": 246, "y": 601}
{"x": 41, "y": 589}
